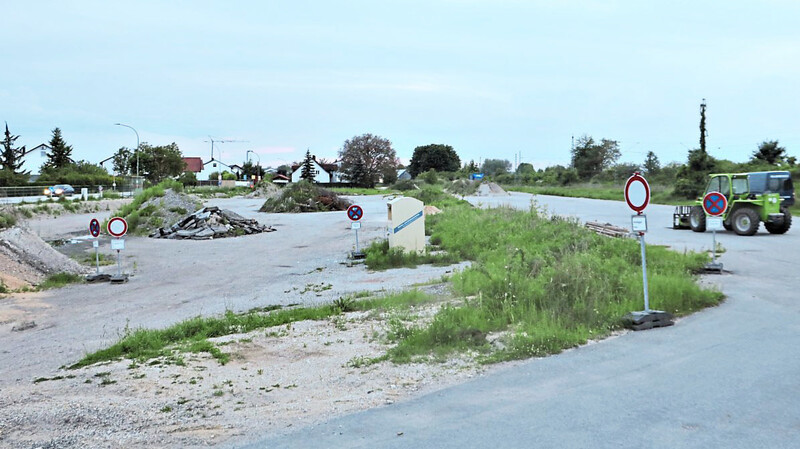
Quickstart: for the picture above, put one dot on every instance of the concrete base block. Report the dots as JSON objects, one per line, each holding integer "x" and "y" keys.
{"x": 644, "y": 320}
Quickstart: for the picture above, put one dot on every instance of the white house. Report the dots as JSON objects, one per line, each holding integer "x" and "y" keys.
{"x": 212, "y": 166}
{"x": 325, "y": 173}
{"x": 34, "y": 159}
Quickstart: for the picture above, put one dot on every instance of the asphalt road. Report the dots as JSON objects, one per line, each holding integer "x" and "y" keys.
{"x": 725, "y": 377}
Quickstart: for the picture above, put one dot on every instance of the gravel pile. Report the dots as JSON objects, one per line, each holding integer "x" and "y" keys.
{"x": 27, "y": 259}
{"x": 211, "y": 222}
{"x": 264, "y": 190}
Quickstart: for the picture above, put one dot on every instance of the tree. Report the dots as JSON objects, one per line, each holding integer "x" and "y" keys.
{"x": 493, "y": 167}
{"x": 307, "y": 170}
{"x": 590, "y": 158}
{"x": 159, "y": 162}
{"x": 11, "y": 159}
{"x": 692, "y": 176}
{"x": 525, "y": 169}
{"x": 60, "y": 153}
{"x": 249, "y": 170}
{"x": 435, "y": 156}
{"x": 651, "y": 164}
{"x": 365, "y": 157}
{"x": 122, "y": 161}
{"x": 471, "y": 167}
{"x": 769, "y": 152}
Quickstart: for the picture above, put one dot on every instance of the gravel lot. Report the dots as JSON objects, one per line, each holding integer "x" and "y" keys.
{"x": 276, "y": 380}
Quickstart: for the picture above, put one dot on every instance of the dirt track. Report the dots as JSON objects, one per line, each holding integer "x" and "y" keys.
{"x": 173, "y": 280}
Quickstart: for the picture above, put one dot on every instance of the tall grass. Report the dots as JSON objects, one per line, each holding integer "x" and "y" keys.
{"x": 550, "y": 282}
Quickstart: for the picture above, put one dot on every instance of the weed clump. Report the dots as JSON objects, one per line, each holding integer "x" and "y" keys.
{"x": 304, "y": 197}
{"x": 381, "y": 257}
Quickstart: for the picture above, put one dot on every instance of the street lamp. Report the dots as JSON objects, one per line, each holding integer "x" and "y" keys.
{"x": 137, "y": 149}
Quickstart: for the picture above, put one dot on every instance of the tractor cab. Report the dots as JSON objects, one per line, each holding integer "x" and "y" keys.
{"x": 734, "y": 187}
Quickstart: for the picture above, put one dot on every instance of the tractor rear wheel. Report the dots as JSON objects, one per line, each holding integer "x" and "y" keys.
{"x": 745, "y": 221}
{"x": 776, "y": 228}
{"x": 697, "y": 219}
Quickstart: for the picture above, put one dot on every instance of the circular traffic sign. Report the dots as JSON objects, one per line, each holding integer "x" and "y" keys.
{"x": 637, "y": 192}
{"x": 117, "y": 226}
{"x": 715, "y": 204}
{"x": 94, "y": 227}
{"x": 355, "y": 212}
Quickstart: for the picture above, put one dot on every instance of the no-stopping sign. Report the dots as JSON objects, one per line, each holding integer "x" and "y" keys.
{"x": 637, "y": 193}
{"x": 94, "y": 227}
{"x": 715, "y": 203}
{"x": 117, "y": 226}
{"x": 355, "y": 212}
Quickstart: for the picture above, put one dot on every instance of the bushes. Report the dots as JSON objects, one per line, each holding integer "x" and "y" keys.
{"x": 7, "y": 220}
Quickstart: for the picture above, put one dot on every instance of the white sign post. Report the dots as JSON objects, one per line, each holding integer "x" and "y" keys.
{"x": 355, "y": 213}
{"x": 714, "y": 205}
{"x": 118, "y": 227}
{"x": 637, "y": 195}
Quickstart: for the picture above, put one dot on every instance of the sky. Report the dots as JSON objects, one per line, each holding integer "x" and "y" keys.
{"x": 499, "y": 79}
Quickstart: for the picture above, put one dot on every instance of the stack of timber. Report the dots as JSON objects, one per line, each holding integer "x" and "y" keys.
{"x": 608, "y": 229}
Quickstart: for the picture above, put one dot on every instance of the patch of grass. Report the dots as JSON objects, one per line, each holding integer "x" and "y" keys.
{"x": 59, "y": 280}
{"x": 381, "y": 257}
{"x": 89, "y": 259}
{"x": 215, "y": 192}
{"x": 7, "y": 220}
{"x": 550, "y": 282}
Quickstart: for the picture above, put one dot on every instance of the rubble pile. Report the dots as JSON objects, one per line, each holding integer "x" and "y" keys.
{"x": 211, "y": 222}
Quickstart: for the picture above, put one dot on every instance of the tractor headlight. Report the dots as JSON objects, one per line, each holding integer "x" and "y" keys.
{"x": 46, "y": 191}
{"x": 59, "y": 191}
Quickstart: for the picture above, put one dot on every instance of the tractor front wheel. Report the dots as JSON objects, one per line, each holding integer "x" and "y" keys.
{"x": 780, "y": 228}
{"x": 745, "y": 221}
{"x": 697, "y": 219}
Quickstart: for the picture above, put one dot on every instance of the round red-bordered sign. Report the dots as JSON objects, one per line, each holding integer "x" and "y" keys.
{"x": 117, "y": 226}
{"x": 94, "y": 227}
{"x": 637, "y": 193}
{"x": 355, "y": 212}
{"x": 715, "y": 204}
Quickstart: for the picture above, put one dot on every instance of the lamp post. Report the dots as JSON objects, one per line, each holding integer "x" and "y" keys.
{"x": 137, "y": 150}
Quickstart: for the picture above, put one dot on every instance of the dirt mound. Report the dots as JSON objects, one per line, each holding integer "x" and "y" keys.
{"x": 304, "y": 197}
{"x": 167, "y": 209}
{"x": 264, "y": 190}
{"x": 27, "y": 259}
{"x": 491, "y": 189}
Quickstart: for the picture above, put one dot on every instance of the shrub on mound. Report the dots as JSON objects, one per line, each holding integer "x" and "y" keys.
{"x": 304, "y": 197}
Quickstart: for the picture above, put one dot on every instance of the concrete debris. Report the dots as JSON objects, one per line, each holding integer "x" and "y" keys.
{"x": 211, "y": 222}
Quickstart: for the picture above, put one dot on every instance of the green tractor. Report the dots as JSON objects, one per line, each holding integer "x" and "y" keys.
{"x": 745, "y": 210}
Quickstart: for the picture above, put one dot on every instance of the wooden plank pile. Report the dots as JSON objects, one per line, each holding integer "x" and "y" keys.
{"x": 607, "y": 229}
{"x": 211, "y": 222}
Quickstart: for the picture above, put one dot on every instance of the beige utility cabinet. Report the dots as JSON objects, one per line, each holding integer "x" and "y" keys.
{"x": 406, "y": 224}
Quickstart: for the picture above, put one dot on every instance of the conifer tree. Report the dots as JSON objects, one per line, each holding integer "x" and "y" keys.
{"x": 307, "y": 171}
{"x": 60, "y": 153}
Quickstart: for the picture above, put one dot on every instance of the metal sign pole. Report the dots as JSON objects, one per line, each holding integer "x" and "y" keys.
{"x": 357, "y": 241}
{"x": 644, "y": 274}
{"x": 119, "y": 266}
{"x": 714, "y": 250}
{"x": 97, "y": 259}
